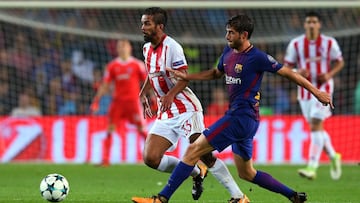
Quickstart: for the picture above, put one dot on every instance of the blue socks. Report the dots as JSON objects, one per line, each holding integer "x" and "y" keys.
{"x": 179, "y": 174}
{"x": 183, "y": 171}
{"x": 268, "y": 182}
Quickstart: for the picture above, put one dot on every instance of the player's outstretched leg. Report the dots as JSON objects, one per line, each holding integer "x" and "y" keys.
{"x": 198, "y": 188}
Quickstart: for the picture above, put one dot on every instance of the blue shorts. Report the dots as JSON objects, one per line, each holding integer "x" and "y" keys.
{"x": 237, "y": 131}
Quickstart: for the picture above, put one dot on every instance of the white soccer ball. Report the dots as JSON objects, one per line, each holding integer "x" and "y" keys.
{"x": 54, "y": 187}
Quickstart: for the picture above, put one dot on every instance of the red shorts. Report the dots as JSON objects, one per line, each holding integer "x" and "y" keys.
{"x": 126, "y": 111}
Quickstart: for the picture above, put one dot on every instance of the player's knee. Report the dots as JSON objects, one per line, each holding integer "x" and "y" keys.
{"x": 316, "y": 124}
{"x": 152, "y": 160}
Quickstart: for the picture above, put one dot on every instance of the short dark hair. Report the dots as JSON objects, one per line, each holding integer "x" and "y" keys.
{"x": 313, "y": 14}
{"x": 241, "y": 23}
{"x": 159, "y": 15}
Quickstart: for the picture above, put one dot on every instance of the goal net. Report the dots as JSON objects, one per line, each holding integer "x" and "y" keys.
{"x": 42, "y": 42}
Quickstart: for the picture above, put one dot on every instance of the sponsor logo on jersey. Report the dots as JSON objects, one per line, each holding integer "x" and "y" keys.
{"x": 232, "y": 80}
{"x": 313, "y": 59}
{"x": 124, "y": 76}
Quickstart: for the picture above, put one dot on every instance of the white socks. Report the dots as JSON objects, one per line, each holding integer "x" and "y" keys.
{"x": 168, "y": 163}
{"x": 316, "y": 147}
{"x": 222, "y": 174}
{"x": 319, "y": 140}
{"x": 328, "y": 146}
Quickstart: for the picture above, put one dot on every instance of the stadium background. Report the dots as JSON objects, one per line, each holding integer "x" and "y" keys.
{"x": 40, "y": 46}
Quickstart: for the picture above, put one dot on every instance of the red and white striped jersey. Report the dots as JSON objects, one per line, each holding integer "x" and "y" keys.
{"x": 315, "y": 56}
{"x": 169, "y": 54}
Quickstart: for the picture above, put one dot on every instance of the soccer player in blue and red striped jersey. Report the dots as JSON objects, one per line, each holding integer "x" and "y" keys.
{"x": 243, "y": 66}
{"x": 179, "y": 110}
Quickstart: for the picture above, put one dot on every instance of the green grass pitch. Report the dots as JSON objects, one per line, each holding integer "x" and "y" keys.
{"x": 118, "y": 183}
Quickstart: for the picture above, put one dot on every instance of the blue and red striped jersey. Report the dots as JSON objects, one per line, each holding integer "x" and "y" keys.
{"x": 243, "y": 75}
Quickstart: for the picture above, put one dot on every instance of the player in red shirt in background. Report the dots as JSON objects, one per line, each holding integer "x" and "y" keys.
{"x": 127, "y": 74}
{"x": 219, "y": 103}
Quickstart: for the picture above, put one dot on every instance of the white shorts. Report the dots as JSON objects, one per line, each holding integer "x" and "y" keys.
{"x": 314, "y": 109}
{"x": 186, "y": 124}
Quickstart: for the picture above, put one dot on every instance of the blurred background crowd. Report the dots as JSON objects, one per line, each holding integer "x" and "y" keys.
{"x": 52, "y": 60}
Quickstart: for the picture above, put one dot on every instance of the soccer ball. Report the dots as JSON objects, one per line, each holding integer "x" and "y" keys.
{"x": 54, "y": 187}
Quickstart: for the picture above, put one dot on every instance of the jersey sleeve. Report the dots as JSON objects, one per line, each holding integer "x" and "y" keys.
{"x": 290, "y": 55}
{"x": 142, "y": 70}
{"x": 269, "y": 63}
{"x": 220, "y": 64}
{"x": 335, "y": 51}
{"x": 107, "y": 78}
{"x": 177, "y": 57}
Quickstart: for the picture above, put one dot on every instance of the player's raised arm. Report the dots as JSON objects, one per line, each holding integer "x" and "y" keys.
{"x": 323, "y": 97}
{"x": 203, "y": 75}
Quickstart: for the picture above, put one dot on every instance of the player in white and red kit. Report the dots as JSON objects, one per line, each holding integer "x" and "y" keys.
{"x": 126, "y": 73}
{"x": 179, "y": 110}
{"x": 313, "y": 54}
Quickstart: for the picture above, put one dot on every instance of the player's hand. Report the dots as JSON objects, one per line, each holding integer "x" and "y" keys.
{"x": 325, "y": 99}
{"x": 178, "y": 73}
{"x": 166, "y": 102}
{"x": 303, "y": 72}
{"x": 146, "y": 107}
{"x": 322, "y": 78}
{"x": 94, "y": 107}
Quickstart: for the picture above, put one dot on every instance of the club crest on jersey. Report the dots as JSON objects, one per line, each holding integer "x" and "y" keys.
{"x": 238, "y": 68}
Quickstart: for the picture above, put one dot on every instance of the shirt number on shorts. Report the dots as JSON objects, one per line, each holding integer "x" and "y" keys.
{"x": 187, "y": 128}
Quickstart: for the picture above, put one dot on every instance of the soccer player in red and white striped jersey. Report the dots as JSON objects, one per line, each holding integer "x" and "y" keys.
{"x": 169, "y": 54}
{"x": 179, "y": 110}
{"x": 126, "y": 73}
{"x": 318, "y": 58}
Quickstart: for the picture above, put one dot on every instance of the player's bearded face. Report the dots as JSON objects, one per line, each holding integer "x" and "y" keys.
{"x": 232, "y": 38}
{"x": 148, "y": 28}
{"x": 149, "y": 36}
{"x": 235, "y": 44}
